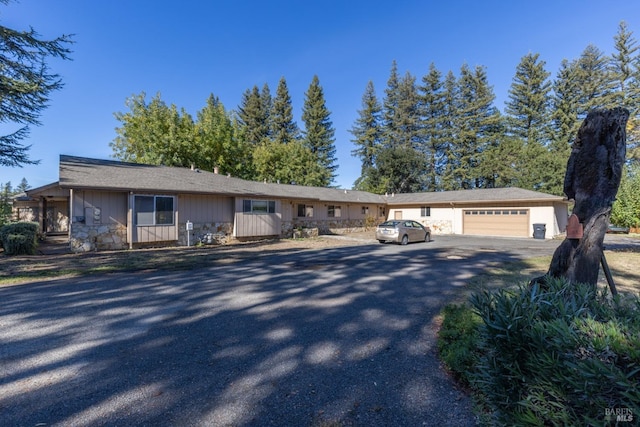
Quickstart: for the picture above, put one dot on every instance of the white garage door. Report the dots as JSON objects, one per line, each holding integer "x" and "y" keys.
{"x": 496, "y": 222}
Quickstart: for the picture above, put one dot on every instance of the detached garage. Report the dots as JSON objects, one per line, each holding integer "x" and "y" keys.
{"x": 508, "y": 212}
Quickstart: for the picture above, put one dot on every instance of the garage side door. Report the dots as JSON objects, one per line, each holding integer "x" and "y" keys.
{"x": 496, "y": 222}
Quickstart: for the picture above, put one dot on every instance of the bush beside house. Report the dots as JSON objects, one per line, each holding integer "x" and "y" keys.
{"x": 19, "y": 238}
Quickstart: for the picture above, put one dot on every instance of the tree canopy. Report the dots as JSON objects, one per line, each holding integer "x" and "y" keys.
{"x": 318, "y": 135}
{"x": 26, "y": 83}
{"x": 463, "y": 140}
{"x": 442, "y": 131}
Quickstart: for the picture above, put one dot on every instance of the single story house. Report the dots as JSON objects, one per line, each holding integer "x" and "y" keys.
{"x": 106, "y": 204}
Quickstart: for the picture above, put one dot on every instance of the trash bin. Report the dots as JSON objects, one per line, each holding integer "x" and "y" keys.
{"x": 539, "y": 231}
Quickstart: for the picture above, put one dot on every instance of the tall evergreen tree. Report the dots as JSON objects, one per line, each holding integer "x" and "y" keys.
{"x": 625, "y": 68}
{"x": 528, "y": 106}
{"x": 253, "y": 116}
{"x": 5, "y": 204}
{"x": 27, "y": 84}
{"x": 594, "y": 81}
{"x": 400, "y": 165}
{"x": 284, "y": 128}
{"x": 451, "y": 161}
{"x": 367, "y": 135}
{"x": 528, "y": 119}
{"x": 22, "y": 187}
{"x": 565, "y": 107}
{"x": 478, "y": 124}
{"x": 433, "y": 113}
{"x": 391, "y": 101}
{"x": 318, "y": 134}
{"x": 407, "y": 117}
{"x": 565, "y": 123}
{"x": 267, "y": 107}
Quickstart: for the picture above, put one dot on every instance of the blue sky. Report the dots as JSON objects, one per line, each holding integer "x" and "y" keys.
{"x": 189, "y": 49}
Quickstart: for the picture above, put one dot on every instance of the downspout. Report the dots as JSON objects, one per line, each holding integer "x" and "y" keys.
{"x": 43, "y": 214}
{"x": 130, "y": 220}
{"x": 70, "y": 212}
{"x": 453, "y": 220}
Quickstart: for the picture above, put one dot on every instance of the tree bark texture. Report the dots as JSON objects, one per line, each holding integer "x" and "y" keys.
{"x": 593, "y": 175}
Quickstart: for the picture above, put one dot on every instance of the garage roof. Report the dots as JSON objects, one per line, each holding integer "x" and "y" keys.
{"x": 471, "y": 196}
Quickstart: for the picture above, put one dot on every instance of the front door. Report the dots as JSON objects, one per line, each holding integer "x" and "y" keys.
{"x": 56, "y": 219}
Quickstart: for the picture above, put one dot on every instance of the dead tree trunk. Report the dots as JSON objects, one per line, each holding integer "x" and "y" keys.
{"x": 593, "y": 175}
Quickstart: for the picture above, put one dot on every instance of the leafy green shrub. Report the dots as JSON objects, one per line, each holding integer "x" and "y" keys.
{"x": 458, "y": 340}
{"x": 19, "y": 238}
{"x": 561, "y": 356}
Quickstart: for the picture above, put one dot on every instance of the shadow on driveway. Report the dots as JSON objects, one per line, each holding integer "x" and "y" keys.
{"x": 314, "y": 337}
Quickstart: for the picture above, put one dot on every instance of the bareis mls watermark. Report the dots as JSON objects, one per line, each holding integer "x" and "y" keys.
{"x": 621, "y": 415}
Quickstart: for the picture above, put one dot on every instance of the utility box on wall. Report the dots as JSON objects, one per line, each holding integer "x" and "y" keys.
{"x": 92, "y": 215}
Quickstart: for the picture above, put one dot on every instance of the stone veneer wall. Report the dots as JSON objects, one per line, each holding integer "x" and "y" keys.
{"x": 220, "y": 232}
{"x": 85, "y": 238}
{"x": 341, "y": 226}
{"x": 443, "y": 226}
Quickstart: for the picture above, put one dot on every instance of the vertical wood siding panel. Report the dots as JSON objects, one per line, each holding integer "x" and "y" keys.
{"x": 200, "y": 208}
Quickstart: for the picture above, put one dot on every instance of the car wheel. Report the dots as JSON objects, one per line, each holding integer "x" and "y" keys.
{"x": 381, "y": 241}
{"x": 427, "y": 237}
{"x": 405, "y": 240}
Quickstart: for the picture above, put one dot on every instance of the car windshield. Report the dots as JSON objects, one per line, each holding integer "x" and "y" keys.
{"x": 389, "y": 224}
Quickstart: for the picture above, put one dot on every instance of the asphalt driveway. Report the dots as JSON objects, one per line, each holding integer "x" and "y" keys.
{"x": 342, "y": 336}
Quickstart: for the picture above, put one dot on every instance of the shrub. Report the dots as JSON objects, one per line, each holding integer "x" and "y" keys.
{"x": 458, "y": 340}
{"x": 19, "y": 238}
{"x": 565, "y": 355}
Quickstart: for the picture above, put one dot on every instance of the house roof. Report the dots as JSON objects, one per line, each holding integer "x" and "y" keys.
{"x": 512, "y": 194}
{"x": 85, "y": 173}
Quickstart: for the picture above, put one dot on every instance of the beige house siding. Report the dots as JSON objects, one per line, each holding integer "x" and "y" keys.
{"x": 99, "y": 207}
{"x": 256, "y": 224}
{"x": 211, "y": 218}
{"x": 205, "y": 209}
{"x": 155, "y": 233}
{"x": 98, "y": 220}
